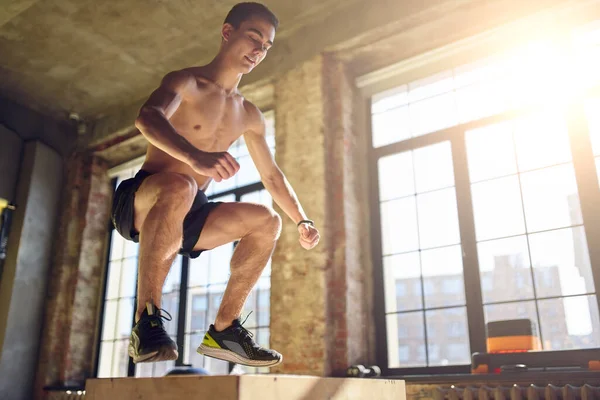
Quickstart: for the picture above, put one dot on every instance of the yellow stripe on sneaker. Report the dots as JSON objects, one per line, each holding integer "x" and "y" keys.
{"x": 210, "y": 342}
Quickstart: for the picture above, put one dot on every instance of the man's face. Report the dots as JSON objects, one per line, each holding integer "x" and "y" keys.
{"x": 249, "y": 44}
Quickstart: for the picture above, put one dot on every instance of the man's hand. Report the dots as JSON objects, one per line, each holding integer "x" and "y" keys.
{"x": 219, "y": 165}
{"x": 309, "y": 236}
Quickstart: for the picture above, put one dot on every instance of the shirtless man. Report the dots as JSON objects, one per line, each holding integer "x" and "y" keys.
{"x": 190, "y": 121}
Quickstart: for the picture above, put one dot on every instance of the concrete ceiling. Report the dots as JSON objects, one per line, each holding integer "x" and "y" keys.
{"x": 90, "y": 56}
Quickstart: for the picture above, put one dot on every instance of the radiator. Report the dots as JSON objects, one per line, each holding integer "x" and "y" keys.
{"x": 518, "y": 392}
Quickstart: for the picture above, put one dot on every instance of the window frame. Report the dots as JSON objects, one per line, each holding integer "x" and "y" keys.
{"x": 583, "y": 161}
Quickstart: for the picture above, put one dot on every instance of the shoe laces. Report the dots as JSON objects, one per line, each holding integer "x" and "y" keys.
{"x": 245, "y": 333}
{"x": 158, "y": 316}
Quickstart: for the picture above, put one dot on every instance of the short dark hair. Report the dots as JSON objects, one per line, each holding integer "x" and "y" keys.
{"x": 243, "y": 11}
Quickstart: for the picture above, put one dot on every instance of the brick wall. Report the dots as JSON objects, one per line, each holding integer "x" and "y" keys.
{"x": 320, "y": 315}
{"x": 70, "y": 325}
{"x": 298, "y": 293}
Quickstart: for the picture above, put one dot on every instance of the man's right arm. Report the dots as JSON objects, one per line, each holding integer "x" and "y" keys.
{"x": 153, "y": 119}
{"x": 153, "y": 122}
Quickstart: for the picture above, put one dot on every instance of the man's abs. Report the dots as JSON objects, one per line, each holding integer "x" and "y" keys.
{"x": 158, "y": 161}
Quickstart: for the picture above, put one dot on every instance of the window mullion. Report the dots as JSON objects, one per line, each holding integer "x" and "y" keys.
{"x": 466, "y": 222}
{"x": 381, "y": 342}
{"x": 587, "y": 185}
{"x": 181, "y": 314}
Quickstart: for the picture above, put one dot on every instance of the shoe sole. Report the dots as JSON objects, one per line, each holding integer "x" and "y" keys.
{"x": 228, "y": 355}
{"x": 164, "y": 354}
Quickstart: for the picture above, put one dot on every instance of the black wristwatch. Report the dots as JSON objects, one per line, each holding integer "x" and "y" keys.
{"x": 306, "y": 221}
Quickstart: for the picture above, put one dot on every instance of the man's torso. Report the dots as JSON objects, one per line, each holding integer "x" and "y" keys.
{"x": 210, "y": 120}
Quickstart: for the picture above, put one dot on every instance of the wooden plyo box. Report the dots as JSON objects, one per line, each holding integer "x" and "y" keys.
{"x": 245, "y": 387}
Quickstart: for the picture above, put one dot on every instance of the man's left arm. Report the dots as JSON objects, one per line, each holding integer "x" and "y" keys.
{"x": 277, "y": 184}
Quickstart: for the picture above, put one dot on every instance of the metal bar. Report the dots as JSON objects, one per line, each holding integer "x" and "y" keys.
{"x": 587, "y": 185}
{"x": 181, "y": 313}
{"x": 381, "y": 354}
{"x": 466, "y": 223}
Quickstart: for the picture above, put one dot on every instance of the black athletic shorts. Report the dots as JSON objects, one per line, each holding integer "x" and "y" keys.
{"x": 122, "y": 214}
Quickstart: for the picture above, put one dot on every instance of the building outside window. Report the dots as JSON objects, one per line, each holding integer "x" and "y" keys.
{"x": 479, "y": 157}
{"x": 206, "y": 275}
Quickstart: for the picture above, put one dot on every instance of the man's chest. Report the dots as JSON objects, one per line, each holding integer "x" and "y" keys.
{"x": 210, "y": 120}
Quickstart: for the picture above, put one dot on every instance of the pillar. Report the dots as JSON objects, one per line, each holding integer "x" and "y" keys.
{"x": 68, "y": 347}
{"x": 320, "y": 300}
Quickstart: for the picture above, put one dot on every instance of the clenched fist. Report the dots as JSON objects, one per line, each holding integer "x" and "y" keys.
{"x": 219, "y": 165}
{"x": 309, "y": 236}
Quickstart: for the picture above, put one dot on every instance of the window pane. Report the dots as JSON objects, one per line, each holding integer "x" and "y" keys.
{"x": 390, "y": 126}
{"x": 128, "y": 277}
{"x": 260, "y": 197}
{"x": 433, "y": 114}
{"x": 399, "y": 226}
{"x": 113, "y": 280}
{"x": 504, "y": 264}
{"x": 264, "y": 307}
{"x": 263, "y": 337}
{"x": 120, "y": 358}
{"x": 490, "y": 151}
{"x": 402, "y": 277}
{"x": 117, "y": 246}
{"x": 110, "y": 320}
{"x": 170, "y": 303}
{"x": 173, "y": 281}
{"x": 431, "y": 86}
{"x": 105, "y": 363}
{"x": 561, "y": 263}
{"x": 125, "y": 318}
{"x": 144, "y": 370}
{"x": 454, "y": 343}
{"x": 547, "y": 129}
{"x": 249, "y": 306}
{"x": 396, "y": 177}
{"x": 508, "y": 311}
{"x": 592, "y": 112}
{"x": 198, "y": 270}
{"x": 247, "y": 173}
{"x": 438, "y": 218}
{"x": 131, "y": 249}
{"x": 389, "y": 99}
{"x": 220, "y": 258}
{"x": 405, "y": 333}
{"x": 497, "y": 208}
{"x": 191, "y": 356}
{"x": 443, "y": 271}
{"x": 198, "y": 308}
{"x": 433, "y": 167}
{"x": 570, "y": 323}
{"x": 161, "y": 368}
{"x": 214, "y": 300}
{"x": 551, "y": 198}
{"x": 482, "y": 100}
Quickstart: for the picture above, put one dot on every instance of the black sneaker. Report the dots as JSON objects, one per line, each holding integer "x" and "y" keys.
{"x": 235, "y": 344}
{"x": 149, "y": 342}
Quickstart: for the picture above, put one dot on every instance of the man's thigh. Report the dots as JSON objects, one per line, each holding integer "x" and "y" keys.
{"x": 230, "y": 222}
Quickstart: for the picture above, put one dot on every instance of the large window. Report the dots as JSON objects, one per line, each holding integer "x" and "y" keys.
{"x": 480, "y": 185}
{"x": 192, "y": 291}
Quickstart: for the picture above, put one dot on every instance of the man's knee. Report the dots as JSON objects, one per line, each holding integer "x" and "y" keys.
{"x": 271, "y": 223}
{"x": 176, "y": 189}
